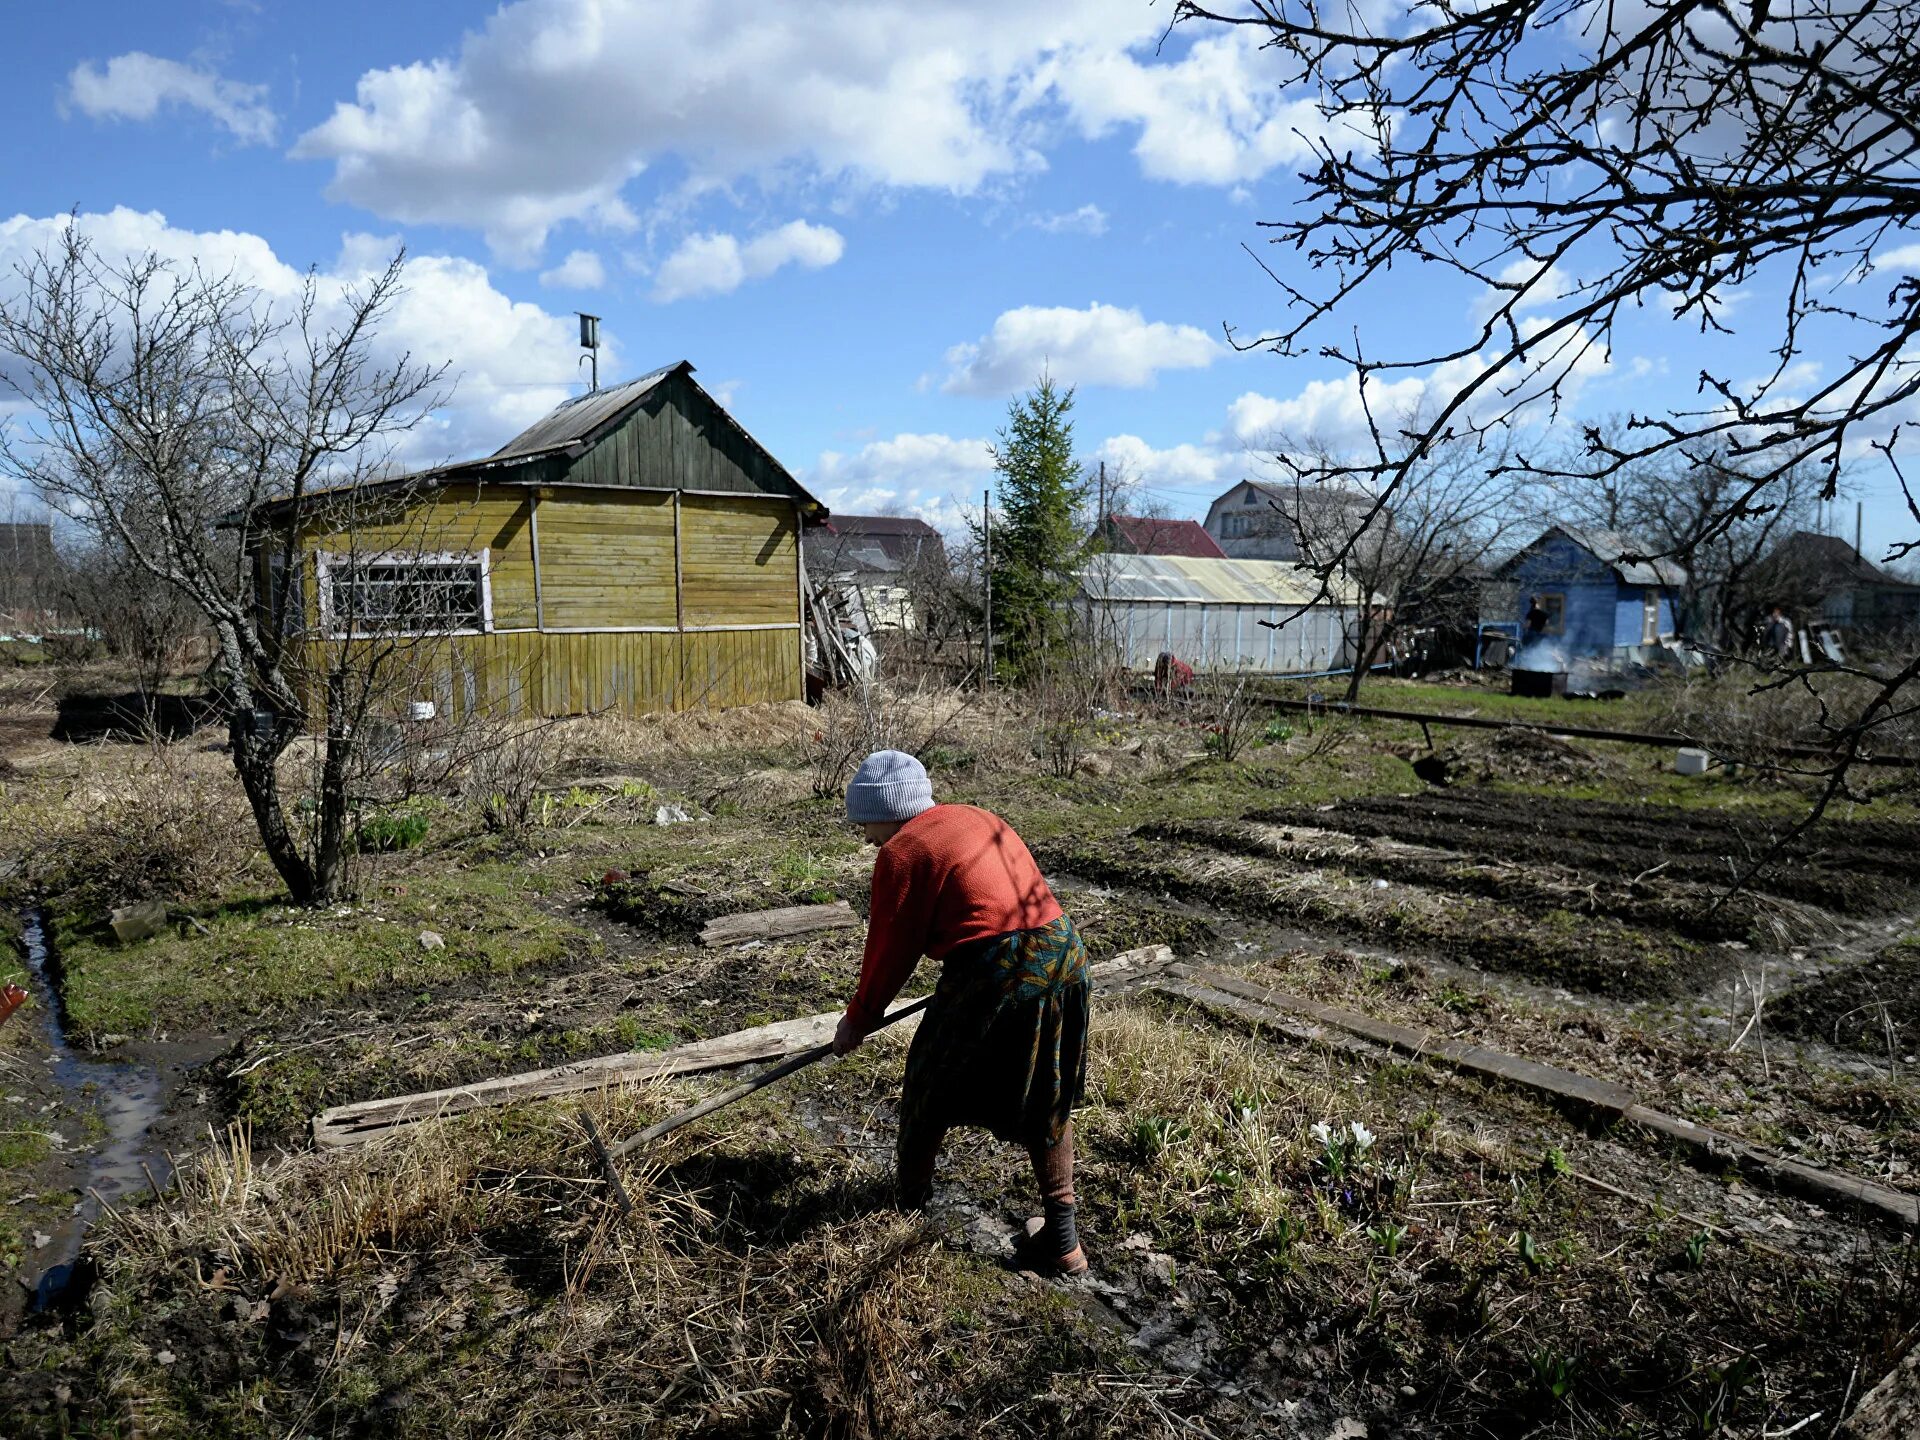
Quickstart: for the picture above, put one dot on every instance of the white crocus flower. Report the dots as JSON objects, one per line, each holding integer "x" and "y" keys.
{"x": 1322, "y": 1132}
{"x": 1362, "y": 1137}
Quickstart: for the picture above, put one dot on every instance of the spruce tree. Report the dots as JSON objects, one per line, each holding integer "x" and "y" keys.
{"x": 1036, "y": 540}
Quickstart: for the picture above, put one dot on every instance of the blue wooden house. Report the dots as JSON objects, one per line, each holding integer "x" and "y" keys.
{"x": 1598, "y": 602}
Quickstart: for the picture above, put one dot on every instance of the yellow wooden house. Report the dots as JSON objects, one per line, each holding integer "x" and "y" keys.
{"x": 635, "y": 550}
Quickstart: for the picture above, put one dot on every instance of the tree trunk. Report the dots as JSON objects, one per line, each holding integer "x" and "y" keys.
{"x": 330, "y": 853}
{"x": 253, "y": 761}
{"x": 1362, "y": 647}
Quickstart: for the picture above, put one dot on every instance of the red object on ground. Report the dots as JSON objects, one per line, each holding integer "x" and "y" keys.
{"x": 11, "y": 999}
{"x": 952, "y": 874}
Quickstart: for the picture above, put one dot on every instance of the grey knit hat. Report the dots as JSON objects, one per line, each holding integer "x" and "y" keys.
{"x": 889, "y": 785}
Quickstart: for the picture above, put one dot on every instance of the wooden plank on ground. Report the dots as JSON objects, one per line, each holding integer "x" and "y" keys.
{"x": 368, "y": 1119}
{"x": 1835, "y": 1190}
{"x": 1891, "y": 1410}
{"x": 778, "y": 924}
{"x": 350, "y": 1124}
{"x": 1583, "y": 1090}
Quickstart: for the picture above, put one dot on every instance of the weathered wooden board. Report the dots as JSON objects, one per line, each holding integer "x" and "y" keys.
{"x": 350, "y": 1124}
{"x": 1834, "y": 1190}
{"x": 778, "y": 924}
{"x": 1891, "y": 1410}
{"x": 368, "y": 1119}
{"x": 1584, "y": 1090}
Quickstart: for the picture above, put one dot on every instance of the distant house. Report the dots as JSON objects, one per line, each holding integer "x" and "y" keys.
{"x": 634, "y": 550}
{"x": 1146, "y": 535}
{"x": 1598, "y": 602}
{"x": 878, "y": 544}
{"x": 1253, "y": 521}
{"x": 1262, "y": 616}
{"x": 870, "y": 560}
{"x": 1822, "y": 577}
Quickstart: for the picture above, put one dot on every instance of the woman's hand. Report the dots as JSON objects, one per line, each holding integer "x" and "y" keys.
{"x": 848, "y": 1037}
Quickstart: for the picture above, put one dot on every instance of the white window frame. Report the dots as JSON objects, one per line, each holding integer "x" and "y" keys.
{"x": 325, "y": 562}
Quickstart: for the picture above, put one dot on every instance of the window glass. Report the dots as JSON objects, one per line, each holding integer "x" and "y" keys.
{"x": 401, "y": 595}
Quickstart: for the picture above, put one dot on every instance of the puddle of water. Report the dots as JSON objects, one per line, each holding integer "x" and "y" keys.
{"x": 126, "y": 1097}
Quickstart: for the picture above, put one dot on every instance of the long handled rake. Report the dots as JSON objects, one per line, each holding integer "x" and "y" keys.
{"x": 769, "y": 1076}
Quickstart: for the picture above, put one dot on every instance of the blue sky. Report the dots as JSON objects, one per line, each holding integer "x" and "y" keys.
{"x": 866, "y": 225}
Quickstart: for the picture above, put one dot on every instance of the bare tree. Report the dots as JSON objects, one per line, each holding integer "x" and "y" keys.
{"x": 1582, "y": 161}
{"x": 1419, "y": 566}
{"x": 169, "y": 400}
{"x": 139, "y": 617}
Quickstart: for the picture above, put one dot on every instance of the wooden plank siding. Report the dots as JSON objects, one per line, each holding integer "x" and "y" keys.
{"x": 609, "y": 572}
{"x": 677, "y": 433}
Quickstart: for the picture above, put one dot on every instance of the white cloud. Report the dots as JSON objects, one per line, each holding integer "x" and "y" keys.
{"x": 937, "y": 477}
{"x": 1197, "y": 471}
{"x": 1901, "y": 259}
{"x": 581, "y": 270}
{"x": 1332, "y": 412}
{"x": 1100, "y": 345}
{"x": 1087, "y": 220}
{"x": 513, "y": 360}
{"x": 1213, "y": 117}
{"x": 548, "y": 110}
{"x": 137, "y": 86}
{"x": 715, "y": 264}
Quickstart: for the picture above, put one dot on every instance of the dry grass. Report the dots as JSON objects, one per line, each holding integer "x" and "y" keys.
{"x": 160, "y": 820}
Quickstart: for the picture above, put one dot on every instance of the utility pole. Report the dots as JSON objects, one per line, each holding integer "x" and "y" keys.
{"x": 1100, "y": 515}
{"x": 986, "y": 534}
{"x": 1859, "y": 524}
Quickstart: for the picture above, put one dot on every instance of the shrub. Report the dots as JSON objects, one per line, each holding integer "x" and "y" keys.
{"x": 392, "y": 830}
{"x": 162, "y": 828}
{"x": 507, "y": 772}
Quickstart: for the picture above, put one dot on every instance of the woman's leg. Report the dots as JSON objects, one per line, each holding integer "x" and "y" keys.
{"x": 1058, "y": 1241}
{"x": 917, "y": 1148}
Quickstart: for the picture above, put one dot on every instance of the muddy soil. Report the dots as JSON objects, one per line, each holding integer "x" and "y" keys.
{"x": 1856, "y": 868}
{"x": 1585, "y": 952}
{"x": 1684, "y": 909}
{"x": 1872, "y": 1007}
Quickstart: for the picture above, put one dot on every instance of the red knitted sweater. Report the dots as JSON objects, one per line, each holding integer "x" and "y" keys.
{"x": 951, "y": 874}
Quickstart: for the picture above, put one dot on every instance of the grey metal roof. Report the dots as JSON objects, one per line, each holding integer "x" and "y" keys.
{"x": 573, "y": 421}
{"x": 1187, "y": 579}
{"x": 1607, "y": 547}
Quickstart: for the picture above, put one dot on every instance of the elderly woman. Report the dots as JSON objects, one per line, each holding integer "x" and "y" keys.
{"x": 1003, "y": 1045}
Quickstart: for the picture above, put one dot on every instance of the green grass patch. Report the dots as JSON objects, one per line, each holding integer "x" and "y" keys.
{"x": 259, "y": 960}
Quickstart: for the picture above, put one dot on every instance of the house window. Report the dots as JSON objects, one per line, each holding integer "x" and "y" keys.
{"x": 393, "y": 594}
{"x": 1649, "y": 617}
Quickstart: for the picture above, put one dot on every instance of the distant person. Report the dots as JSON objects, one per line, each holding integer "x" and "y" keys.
{"x": 1779, "y": 634}
{"x": 1537, "y": 619}
{"x": 1172, "y": 675}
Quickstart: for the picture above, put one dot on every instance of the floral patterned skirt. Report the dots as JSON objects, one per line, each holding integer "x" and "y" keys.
{"x": 1004, "y": 1043}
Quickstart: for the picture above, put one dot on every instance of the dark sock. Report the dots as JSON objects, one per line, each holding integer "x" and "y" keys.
{"x": 1063, "y": 1236}
{"x": 913, "y": 1169}
{"x": 1053, "y": 1172}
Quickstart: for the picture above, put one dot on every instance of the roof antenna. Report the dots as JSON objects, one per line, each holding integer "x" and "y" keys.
{"x": 590, "y": 342}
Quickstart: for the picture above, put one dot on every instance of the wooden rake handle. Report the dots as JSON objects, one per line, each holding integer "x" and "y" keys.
{"x": 771, "y": 1075}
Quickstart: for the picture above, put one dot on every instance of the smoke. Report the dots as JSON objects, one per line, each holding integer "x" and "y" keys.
{"x": 1540, "y": 654}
